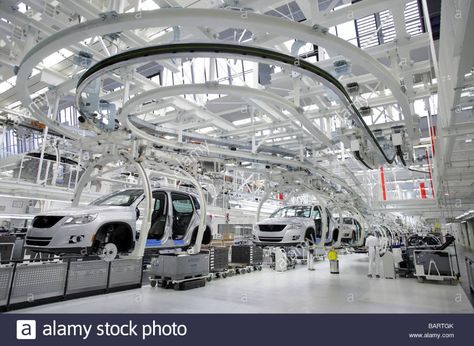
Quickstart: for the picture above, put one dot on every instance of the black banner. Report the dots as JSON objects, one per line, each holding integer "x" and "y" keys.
{"x": 235, "y": 329}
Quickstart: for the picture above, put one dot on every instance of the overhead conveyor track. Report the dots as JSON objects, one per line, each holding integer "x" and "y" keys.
{"x": 195, "y": 17}
{"x": 146, "y": 54}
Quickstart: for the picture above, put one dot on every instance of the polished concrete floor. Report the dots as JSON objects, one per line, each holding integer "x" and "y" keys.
{"x": 294, "y": 291}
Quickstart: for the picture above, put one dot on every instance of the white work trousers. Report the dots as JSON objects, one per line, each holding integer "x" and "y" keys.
{"x": 374, "y": 260}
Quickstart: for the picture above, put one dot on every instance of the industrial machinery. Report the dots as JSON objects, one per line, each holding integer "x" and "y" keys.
{"x": 437, "y": 262}
{"x": 440, "y": 263}
{"x": 281, "y": 260}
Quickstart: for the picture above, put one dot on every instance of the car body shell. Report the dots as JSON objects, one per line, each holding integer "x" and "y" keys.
{"x": 63, "y": 238}
{"x": 350, "y": 230}
{"x": 283, "y": 231}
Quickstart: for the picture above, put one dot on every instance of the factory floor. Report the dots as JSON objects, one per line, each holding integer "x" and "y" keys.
{"x": 294, "y": 291}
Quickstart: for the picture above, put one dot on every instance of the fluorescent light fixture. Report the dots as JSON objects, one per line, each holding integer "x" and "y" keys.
{"x": 205, "y": 130}
{"x": 242, "y": 121}
{"x": 57, "y": 57}
{"x": 13, "y": 105}
{"x": 8, "y": 84}
{"x": 149, "y": 5}
{"x": 39, "y": 92}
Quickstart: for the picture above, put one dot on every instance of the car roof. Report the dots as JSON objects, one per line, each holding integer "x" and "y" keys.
{"x": 167, "y": 189}
{"x": 299, "y": 205}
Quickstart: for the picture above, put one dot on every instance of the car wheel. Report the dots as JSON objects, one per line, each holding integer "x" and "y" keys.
{"x": 116, "y": 234}
{"x": 108, "y": 252}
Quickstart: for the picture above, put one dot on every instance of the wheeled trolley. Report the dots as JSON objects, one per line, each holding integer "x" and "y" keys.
{"x": 242, "y": 268}
{"x": 436, "y": 265}
{"x": 245, "y": 259}
{"x": 218, "y": 263}
{"x": 180, "y": 272}
{"x": 179, "y": 285}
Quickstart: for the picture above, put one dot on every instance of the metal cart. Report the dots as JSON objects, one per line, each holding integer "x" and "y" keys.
{"x": 436, "y": 265}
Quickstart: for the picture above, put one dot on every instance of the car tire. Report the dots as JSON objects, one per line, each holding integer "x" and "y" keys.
{"x": 117, "y": 234}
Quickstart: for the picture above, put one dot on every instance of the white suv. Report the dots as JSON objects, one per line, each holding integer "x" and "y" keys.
{"x": 115, "y": 219}
{"x": 293, "y": 225}
{"x": 351, "y": 230}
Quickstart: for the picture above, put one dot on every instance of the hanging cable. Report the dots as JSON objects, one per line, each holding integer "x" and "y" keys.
{"x": 417, "y": 170}
{"x": 358, "y": 157}
{"x": 400, "y": 155}
{"x": 172, "y": 50}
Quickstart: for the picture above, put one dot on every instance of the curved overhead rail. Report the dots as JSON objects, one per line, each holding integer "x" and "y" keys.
{"x": 213, "y": 88}
{"x": 210, "y": 88}
{"x": 196, "y": 17}
{"x": 163, "y": 131}
{"x": 146, "y": 54}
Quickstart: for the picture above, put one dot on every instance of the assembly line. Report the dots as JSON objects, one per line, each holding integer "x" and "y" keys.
{"x": 236, "y": 156}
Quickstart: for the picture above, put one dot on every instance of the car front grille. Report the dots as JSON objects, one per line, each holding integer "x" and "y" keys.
{"x": 38, "y": 241}
{"x": 271, "y": 228}
{"x": 42, "y": 221}
{"x": 271, "y": 239}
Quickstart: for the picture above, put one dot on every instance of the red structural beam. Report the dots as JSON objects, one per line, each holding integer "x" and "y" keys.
{"x": 382, "y": 181}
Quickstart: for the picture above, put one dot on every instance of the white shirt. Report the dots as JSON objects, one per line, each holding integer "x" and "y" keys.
{"x": 372, "y": 242}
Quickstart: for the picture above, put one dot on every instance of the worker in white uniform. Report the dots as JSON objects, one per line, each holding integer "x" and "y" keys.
{"x": 373, "y": 246}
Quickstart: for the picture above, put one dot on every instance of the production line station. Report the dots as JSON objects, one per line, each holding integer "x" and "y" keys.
{"x": 262, "y": 156}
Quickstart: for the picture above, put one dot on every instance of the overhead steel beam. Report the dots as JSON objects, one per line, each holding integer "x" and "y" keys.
{"x": 129, "y": 107}
{"x": 195, "y": 17}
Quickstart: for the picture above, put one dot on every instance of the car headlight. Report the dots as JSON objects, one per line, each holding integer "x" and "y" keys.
{"x": 80, "y": 219}
{"x": 256, "y": 228}
{"x": 296, "y": 225}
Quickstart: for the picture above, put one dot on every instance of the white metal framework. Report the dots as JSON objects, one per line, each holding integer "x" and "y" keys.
{"x": 264, "y": 126}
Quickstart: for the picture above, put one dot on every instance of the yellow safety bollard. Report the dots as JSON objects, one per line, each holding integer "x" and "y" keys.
{"x": 333, "y": 261}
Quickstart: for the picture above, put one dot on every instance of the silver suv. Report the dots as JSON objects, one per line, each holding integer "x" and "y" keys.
{"x": 293, "y": 225}
{"x": 116, "y": 219}
{"x": 351, "y": 232}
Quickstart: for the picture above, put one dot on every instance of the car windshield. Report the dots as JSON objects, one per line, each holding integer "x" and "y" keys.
{"x": 295, "y": 211}
{"x": 123, "y": 198}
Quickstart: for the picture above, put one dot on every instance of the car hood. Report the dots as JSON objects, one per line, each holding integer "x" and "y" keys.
{"x": 282, "y": 220}
{"x": 87, "y": 209}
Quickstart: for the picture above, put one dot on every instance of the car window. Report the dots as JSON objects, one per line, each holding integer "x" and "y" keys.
{"x": 315, "y": 214}
{"x": 181, "y": 203}
{"x": 196, "y": 203}
{"x": 122, "y": 198}
{"x": 294, "y": 211}
{"x": 159, "y": 200}
{"x": 347, "y": 221}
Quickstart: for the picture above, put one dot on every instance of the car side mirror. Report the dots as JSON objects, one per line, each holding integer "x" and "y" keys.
{"x": 137, "y": 212}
